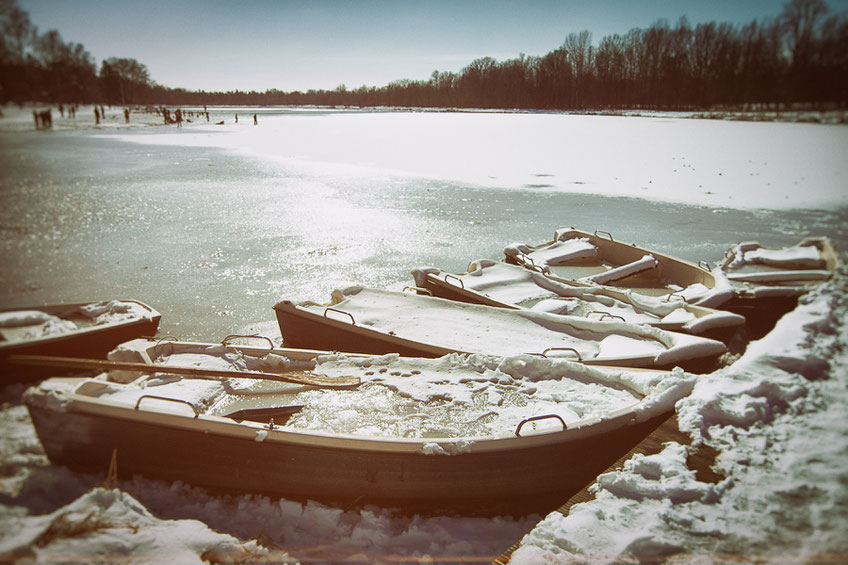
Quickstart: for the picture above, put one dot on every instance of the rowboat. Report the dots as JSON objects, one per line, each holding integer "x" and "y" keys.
{"x": 375, "y": 321}
{"x": 77, "y": 330}
{"x": 812, "y": 261}
{"x": 597, "y": 258}
{"x": 471, "y": 435}
{"x": 767, "y": 282}
{"x": 509, "y": 286}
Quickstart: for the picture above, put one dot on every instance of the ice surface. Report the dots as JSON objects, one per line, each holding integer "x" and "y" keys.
{"x": 669, "y": 159}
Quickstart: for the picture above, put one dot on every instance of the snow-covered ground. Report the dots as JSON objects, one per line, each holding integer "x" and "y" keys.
{"x": 777, "y": 418}
{"x": 212, "y": 225}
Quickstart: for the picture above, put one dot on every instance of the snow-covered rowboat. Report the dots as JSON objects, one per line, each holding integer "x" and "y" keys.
{"x": 509, "y": 286}
{"x": 767, "y": 282}
{"x": 470, "y": 435}
{"x": 597, "y": 258}
{"x": 381, "y": 321}
{"x": 75, "y": 330}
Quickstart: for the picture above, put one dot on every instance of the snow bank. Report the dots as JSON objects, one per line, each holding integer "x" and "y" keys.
{"x": 777, "y": 418}
{"x": 110, "y": 525}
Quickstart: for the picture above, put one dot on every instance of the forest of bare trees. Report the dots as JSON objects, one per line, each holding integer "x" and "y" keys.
{"x": 798, "y": 58}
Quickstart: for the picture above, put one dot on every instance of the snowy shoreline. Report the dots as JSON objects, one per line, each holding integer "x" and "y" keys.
{"x": 19, "y": 118}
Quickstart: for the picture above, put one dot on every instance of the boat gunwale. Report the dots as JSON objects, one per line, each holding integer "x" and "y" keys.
{"x": 71, "y": 402}
{"x": 661, "y": 258}
{"x": 645, "y": 360}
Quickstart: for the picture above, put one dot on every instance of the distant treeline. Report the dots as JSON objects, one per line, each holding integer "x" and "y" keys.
{"x": 800, "y": 57}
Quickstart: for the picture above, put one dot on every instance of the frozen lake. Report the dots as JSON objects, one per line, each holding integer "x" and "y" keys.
{"x": 212, "y": 225}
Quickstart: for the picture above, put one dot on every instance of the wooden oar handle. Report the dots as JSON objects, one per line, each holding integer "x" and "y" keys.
{"x": 198, "y": 372}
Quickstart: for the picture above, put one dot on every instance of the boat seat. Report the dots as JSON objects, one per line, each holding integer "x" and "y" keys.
{"x": 781, "y": 276}
{"x": 646, "y": 263}
{"x": 557, "y": 253}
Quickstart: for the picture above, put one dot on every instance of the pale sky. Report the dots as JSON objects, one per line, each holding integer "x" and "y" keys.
{"x": 221, "y": 45}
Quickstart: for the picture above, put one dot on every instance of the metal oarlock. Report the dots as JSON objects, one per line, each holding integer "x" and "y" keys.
{"x": 457, "y": 279}
{"x": 419, "y": 290}
{"x": 165, "y": 398}
{"x": 577, "y": 353}
{"x": 605, "y": 315}
{"x": 237, "y": 336}
{"x": 536, "y": 419}
{"x": 352, "y": 321}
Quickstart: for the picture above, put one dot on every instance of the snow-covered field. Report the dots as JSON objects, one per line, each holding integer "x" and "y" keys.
{"x": 214, "y": 224}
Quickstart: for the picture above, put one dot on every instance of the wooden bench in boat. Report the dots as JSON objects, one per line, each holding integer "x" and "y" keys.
{"x": 646, "y": 263}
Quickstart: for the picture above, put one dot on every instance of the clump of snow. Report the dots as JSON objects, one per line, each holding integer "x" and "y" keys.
{"x": 111, "y": 525}
{"x": 53, "y": 326}
{"x": 646, "y": 263}
{"x": 556, "y": 253}
{"x": 452, "y": 448}
{"x": 113, "y": 311}
{"x": 659, "y": 477}
{"x": 777, "y": 419}
{"x": 33, "y": 324}
{"x": 19, "y": 318}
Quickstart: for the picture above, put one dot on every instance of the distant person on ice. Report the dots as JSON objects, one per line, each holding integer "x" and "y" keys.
{"x": 179, "y": 117}
{"x": 96, "y": 116}
{"x": 236, "y": 118}
{"x": 255, "y": 121}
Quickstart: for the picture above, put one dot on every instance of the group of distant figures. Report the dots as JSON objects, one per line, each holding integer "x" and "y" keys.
{"x": 179, "y": 116}
{"x": 44, "y": 118}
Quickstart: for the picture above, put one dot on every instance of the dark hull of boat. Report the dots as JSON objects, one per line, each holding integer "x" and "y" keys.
{"x": 520, "y": 481}
{"x": 306, "y": 330}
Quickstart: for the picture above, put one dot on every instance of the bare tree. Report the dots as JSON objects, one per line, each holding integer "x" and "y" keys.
{"x": 578, "y": 47}
{"x": 123, "y": 79}
{"x": 17, "y": 31}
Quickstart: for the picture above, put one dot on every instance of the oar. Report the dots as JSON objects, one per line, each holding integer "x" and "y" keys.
{"x": 197, "y": 372}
